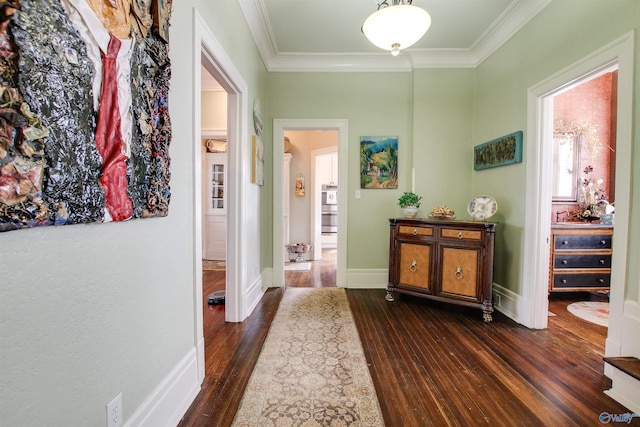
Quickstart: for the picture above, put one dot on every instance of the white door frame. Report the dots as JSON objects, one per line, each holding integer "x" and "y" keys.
{"x": 533, "y": 312}
{"x": 279, "y": 126}
{"x": 208, "y": 52}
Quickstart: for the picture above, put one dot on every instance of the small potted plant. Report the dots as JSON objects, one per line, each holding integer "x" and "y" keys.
{"x": 409, "y": 202}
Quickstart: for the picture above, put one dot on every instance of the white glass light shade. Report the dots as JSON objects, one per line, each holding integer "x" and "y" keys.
{"x": 396, "y": 27}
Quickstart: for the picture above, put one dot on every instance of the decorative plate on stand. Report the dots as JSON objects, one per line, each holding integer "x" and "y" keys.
{"x": 482, "y": 207}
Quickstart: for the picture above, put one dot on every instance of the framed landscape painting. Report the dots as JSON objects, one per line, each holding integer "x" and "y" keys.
{"x": 378, "y": 162}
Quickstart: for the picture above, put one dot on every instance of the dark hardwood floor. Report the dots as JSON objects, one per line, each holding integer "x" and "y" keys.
{"x": 432, "y": 364}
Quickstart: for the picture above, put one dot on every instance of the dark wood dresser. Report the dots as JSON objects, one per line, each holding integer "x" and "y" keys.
{"x": 580, "y": 257}
{"x": 444, "y": 260}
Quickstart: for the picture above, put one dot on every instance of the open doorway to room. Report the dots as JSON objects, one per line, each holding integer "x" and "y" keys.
{"x": 214, "y": 179}
{"x": 281, "y": 229}
{"x": 209, "y": 54}
{"x": 311, "y": 207}
{"x": 582, "y": 201}
{"x": 537, "y": 239}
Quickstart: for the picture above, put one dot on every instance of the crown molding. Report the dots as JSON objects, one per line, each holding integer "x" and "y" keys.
{"x": 518, "y": 14}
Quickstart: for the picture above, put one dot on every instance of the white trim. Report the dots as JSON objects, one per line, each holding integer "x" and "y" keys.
{"x": 516, "y": 16}
{"x": 168, "y": 403}
{"x": 372, "y": 278}
{"x": 253, "y": 295}
{"x": 279, "y": 126}
{"x": 213, "y": 133}
{"x": 625, "y": 390}
{"x": 507, "y": 302}
{"x": 538, "y": 202}
{"x": 222, "y": 69}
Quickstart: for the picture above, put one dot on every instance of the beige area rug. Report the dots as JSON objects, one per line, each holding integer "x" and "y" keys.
{"x": 297, "y": 266}
{"x": 213, "y": 265}
{"x": 591, "y": 311}
{"x": 312, "y": 370}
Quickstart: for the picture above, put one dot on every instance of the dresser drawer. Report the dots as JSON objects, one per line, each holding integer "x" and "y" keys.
{"x": 581, "y": 280}
{"x": 581, "y": 261}
{"x": 461, "y": 234}
{"x": 415, "y": 231}
{"x": 582, "y": 242}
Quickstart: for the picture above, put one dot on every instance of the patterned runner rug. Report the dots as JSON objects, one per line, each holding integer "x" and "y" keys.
{"x": 311, "y": 370}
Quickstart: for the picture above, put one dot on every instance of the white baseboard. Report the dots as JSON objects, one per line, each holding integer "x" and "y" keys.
{"x": 625, "y": 390}
{"x": 168, "y": 403}
{"x": 252, "y": 297}
{"x": 367, "y": 278}
{"x": 506, "y": 302}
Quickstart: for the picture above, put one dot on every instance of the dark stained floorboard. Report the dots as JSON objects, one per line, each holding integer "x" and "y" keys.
{"x": 432, "y": 364}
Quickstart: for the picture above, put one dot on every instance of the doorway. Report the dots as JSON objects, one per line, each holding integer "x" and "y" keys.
{"x": 536, "y": 265}
{"x": 208, "y": 53}
{"x": 311, "y": 207}
{"x": 583, "y": 184}
{"x": 280, "y": 127}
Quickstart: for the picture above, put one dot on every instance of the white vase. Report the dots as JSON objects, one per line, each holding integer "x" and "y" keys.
{"x": 410, "y": 211}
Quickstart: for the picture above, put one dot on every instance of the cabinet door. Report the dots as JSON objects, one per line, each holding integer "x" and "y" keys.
{"x": 216, "y": 181}
{"x": 414, "y": 268}
{"x": 460, "y": 273}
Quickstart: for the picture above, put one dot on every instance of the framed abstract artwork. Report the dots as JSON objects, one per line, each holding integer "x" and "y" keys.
{"x": 78, "y": 144}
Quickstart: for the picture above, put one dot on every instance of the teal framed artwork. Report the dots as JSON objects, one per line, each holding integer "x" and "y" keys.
{"x": 498, "y": 152}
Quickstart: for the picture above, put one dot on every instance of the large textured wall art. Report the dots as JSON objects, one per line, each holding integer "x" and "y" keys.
{"x": 84, "y": 120}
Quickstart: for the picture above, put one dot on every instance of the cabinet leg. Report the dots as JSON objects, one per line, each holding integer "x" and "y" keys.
{"x": 389, "y": 297}
{"x": 487, "y": 309}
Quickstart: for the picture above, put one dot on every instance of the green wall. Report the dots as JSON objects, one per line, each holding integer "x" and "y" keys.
{"x": 88, "y": 311}
{"x": 563, "y": 33}
{"x": 431, "y": 138}
{"x": 440, "y": 114}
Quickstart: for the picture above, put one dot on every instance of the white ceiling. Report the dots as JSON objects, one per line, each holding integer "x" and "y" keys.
{"x": 325, "y": 35}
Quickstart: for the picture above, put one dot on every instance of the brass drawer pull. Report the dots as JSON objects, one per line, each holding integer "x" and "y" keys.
{"x": 460, "y": 235}
{"x": 458, "y": 272}
{"x": 414, "y": 266}
{"x": 415, "y": 231}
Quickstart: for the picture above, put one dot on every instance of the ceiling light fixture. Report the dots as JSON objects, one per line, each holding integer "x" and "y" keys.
{"x": 397, "y": 25}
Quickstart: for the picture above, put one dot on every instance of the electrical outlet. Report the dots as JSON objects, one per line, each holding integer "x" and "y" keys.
{"x": 114, "y": 412}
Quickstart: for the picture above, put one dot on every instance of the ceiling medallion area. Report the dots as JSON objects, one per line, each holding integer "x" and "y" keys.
{"x": 397, "y": 25}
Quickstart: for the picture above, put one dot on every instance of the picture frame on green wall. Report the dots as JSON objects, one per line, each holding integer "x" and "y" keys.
{"x": 501, "y": 151}
{"x": 378, "y": 162}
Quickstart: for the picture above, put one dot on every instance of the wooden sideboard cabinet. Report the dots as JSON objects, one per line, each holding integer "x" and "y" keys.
{"x": 580, "y": 257}
{"x": 444, "y": 260}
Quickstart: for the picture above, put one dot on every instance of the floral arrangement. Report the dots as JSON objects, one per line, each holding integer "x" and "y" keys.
{"x": 594, "y": 199}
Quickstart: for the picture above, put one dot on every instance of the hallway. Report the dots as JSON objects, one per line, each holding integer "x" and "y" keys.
{"x": 431, "y": 363}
